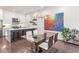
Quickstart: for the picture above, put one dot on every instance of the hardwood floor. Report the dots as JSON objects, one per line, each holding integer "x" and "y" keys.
{"x": 20, "y": 46}
{"x": 23, "y": 46}
{"x": 63, "y": 47}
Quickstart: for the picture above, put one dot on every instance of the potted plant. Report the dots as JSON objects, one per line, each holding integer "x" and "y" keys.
{"x": 65, "y": 34}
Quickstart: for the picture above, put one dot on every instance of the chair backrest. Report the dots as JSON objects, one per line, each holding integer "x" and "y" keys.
{"x": 35, "y": 32}
{"x": 45, "y": 35}
{"x": 29, "y": 36}
{"x": 28, "y": 33}
{"x": 50, "y": 42}
{"x": 55, "y": 38}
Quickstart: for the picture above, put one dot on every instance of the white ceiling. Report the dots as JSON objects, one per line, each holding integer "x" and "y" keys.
{"x": 24, "y": 9}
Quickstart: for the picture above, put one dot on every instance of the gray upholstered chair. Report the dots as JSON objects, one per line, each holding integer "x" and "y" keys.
{"x": 29, "y": 35}
{"x": 55, "y": 38}
{"x": 45, "y": 46}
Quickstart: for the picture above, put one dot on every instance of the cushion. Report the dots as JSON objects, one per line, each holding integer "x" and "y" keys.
{"x": 44, "y": 45}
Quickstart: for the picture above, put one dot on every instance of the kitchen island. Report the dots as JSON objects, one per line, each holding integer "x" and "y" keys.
{"x": 14, "y": 33}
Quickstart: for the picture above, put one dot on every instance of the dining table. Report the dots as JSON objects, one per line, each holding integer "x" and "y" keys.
{"x": 38, "y": 39}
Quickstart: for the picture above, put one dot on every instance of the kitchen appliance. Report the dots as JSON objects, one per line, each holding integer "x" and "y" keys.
{"x": 1, "y": 28}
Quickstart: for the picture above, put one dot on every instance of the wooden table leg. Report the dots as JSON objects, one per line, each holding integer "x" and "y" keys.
{"x": 34, "y": 47}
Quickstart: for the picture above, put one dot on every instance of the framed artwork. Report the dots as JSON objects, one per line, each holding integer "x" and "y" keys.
{"x": 55, "y": 23}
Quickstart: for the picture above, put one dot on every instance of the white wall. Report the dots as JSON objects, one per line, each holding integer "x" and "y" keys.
{"x": 40, "y": 25}
{"x": 8, "y": 15}
{"x": 27, "y": 20}
{"x": 71, "y": 18}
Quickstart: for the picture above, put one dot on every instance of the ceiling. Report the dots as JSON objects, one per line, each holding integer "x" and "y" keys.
{"x": 24, "y": 9}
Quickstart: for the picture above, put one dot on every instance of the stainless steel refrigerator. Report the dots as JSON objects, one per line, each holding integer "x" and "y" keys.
{"x": 1, "y": 28}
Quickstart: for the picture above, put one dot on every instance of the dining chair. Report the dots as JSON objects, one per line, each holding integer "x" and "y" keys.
{"x": 29, "y": 35}
{"x": 55, "y": 38}
{"x": 38, "y": 40}
{"x": 45, "y": 46}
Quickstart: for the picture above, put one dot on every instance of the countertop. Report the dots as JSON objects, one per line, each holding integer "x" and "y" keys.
{"x": 21, "y": 28}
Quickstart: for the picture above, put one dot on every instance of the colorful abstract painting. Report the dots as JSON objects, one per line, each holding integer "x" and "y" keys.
{"x": 55, "y": 23}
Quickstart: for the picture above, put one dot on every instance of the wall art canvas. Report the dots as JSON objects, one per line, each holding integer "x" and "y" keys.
{"x": 55, "y": 23}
